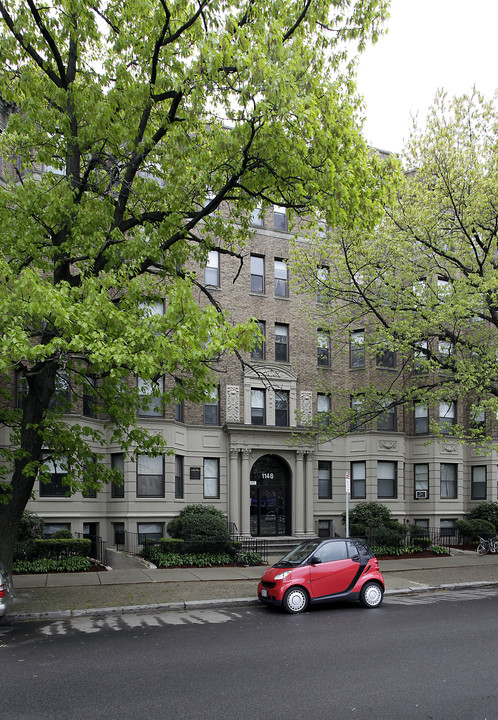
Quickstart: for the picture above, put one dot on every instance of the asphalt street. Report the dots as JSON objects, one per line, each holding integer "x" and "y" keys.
{"x": 427, "y": 656}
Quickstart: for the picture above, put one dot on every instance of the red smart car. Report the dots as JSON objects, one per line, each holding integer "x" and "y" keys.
{"x": 322, "y": 570}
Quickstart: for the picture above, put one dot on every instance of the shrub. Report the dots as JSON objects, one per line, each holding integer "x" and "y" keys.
{"x": 421, "y": 542}
{"x": 76, "y": 563}
{"x": 171, "y": 545}
{"x": 248, "y": 558}
{"x": 30, "y": 528}
{"x": 60, "y": 549}
{"x": 486, "y": 511}
{"x": 474, "y": 529}
{"x": 203, "y": 527}
{"x": 367, "y": 515}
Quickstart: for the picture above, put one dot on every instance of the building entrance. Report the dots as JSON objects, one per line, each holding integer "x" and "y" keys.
{"x": 270, "y": 497}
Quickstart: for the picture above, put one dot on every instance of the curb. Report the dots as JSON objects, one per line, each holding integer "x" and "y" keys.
{"x": 219, "y": 603}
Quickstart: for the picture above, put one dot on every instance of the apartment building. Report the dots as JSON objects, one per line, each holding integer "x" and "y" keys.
{"x": 246, "y": 451}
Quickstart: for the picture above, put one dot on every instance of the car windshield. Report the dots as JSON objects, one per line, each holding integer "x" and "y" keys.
{"x": 298, "y": 554}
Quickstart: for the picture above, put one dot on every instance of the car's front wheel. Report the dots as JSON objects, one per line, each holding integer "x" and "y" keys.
{"x": 371, "y": 595}
{"x": 295, "y": 600}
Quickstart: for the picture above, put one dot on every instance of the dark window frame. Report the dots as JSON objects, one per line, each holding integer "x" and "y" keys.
{"x": 474, "y": 482}
{"x": 325, "y": 481}
{"x": 282, "y": 414}
{"x": 391, "y": 495}
{"x": 117, "y": 462}
{"x": 179, "y": 477}
{"x": 161, "y": 492}
{"x": 282, "y": 352}
{"x": 448, "y": 482}
{"x": 281, "y": 285}
{"x": 258, "y": 280}
{"x": 358, "y": 481}
{"x": 357, "y": 357}
{"x": 258, "y": 414}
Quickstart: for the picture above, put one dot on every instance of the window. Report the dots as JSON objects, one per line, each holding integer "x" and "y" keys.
{"x": 420, "y": 355}
{"x": 282, "y": 408}
{"x": 258, "y": 411}
{"x": 259, "y": 350}
{"x": 61, "y": 398}
{"x": 332, "y": 551}
{"x": 150, "y": 403}
{"x": 478, "y": 420}
{"x": 447, "y": 528}
{"x": 448, "y": 481}
{"x": 212, "y": 408}
{"x": 58, "y": 471}
{"x": 279, "y": 218}
{"x": 179, "y": 411}
{"x": 179, "y": 405}
{"x": 257, "y": 216}
{"x": 178, "y": 476}
{"x": 282, "y": 343}
{"x": 322, "y": 285}
{"x": 21, "y": 390}
{"x": 324, "y": 480}
{"x": 149, "y": 531}
{"x": 152, "y": 308}
{"x": 478, "y": 482}
{"x": 387, "y": 486}
{"x": 212, "y": 269}
{"x": 421, "y": 413}
{"x": 89, "y": 396}
{"x": 117, "y": 464}
{"x": 50, "y": 529}
{"x": 357, "y": 349}
{"x": 357, "y": 424}
{"x": 323, "y": 528}
{"x": 281, "y": 278}
{"x": 445, "y": 348}
{"x": 257, "y": 274}
{"x": 323, "y": 409}
{"x": 150, "y": 476}
{"x": 421, "y": 481}
{"x": 211, "y": 478}
{"x": 443, "y": 289}
{"x": 358, "y": 480}
{"x": 387, "y": 421}
{"x": 447, "y": 417}
{"x": 323, "y": 349}
{"x": 386, "y": 359}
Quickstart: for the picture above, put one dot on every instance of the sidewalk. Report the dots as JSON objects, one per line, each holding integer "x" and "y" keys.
{"x": 138, "y": 588}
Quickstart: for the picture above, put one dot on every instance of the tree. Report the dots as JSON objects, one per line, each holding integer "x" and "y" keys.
{"x": 143, "y": 135}
{"x": 423, "y": 287}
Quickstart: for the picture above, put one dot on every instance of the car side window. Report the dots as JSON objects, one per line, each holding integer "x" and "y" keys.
{"x": 332, "y": 551}
{"x": 354, "y": 552}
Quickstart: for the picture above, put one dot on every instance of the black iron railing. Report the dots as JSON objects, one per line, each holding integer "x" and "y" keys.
{"x": 98, "y": 549}
{"x": 133, "y": 543}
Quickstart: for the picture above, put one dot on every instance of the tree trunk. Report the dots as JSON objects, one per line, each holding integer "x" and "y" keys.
{"x": 41, "y": 388}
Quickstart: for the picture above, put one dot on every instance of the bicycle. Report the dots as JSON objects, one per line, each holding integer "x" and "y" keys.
{"x": 486, "y": 546}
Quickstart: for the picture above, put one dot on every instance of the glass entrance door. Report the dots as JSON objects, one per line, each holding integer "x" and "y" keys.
{"x": 268, "y": 511}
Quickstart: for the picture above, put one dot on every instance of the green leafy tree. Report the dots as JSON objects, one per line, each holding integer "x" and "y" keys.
{"x": 423, "y": 286}
{"x": 143, "y": 135}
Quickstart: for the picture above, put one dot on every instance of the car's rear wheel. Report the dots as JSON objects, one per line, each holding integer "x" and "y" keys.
{"x": 371, "y": 595}
{"x": 295, "y": 600}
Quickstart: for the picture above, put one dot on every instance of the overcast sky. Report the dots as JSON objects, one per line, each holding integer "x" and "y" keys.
{"x": 431, "y": 44}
